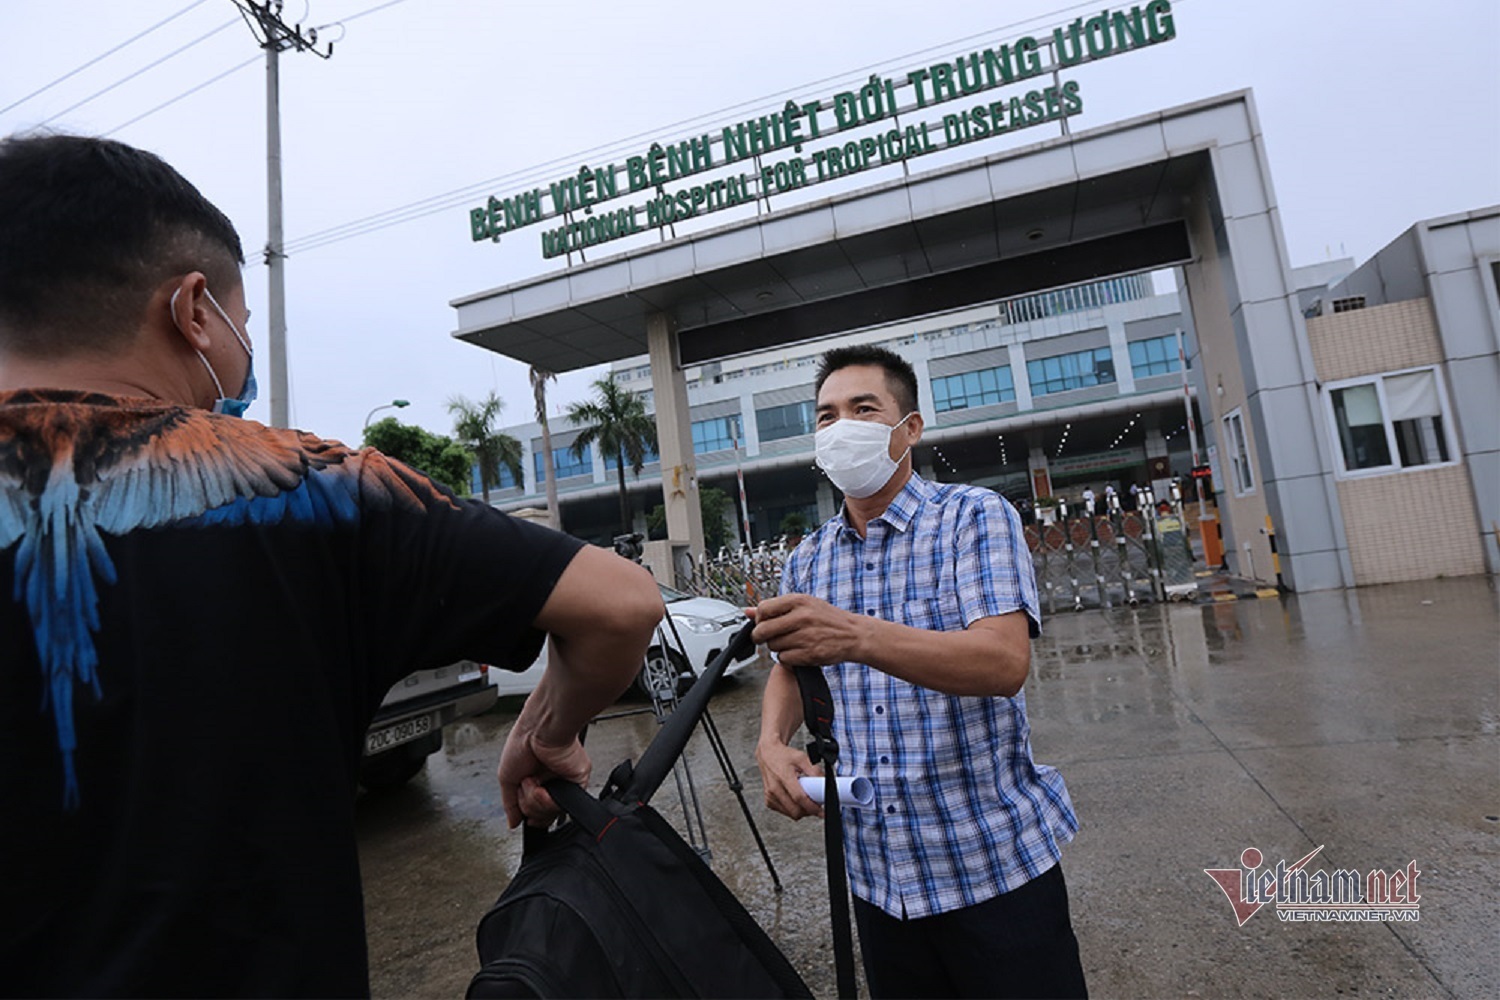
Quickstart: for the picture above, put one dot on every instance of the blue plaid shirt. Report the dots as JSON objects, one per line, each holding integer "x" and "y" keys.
{"x": 962, "y": 813}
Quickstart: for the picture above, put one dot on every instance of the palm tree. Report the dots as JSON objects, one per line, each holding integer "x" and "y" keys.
{"x": 539, "y": 379}
{"x": 615, "y": 419}
{"x": 474, "y": 428}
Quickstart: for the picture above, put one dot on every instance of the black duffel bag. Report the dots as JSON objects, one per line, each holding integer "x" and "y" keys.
{"x": 616, "y": 904}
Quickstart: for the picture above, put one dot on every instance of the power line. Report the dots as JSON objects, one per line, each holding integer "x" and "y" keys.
{"x": 458, "y": 196}
{"x": 132, "y": 76}
{"x": 74, "y": 72}
{"x": 185, "y": 93}
{"x": 363, "y": 13}
{"x": 235, "y": 69}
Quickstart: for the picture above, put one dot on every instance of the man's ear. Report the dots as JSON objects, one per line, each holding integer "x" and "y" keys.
{"x": 187, "y": 308}
{"x": 914, "y": 425}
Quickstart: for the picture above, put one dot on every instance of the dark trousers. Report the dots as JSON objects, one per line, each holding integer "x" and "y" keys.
{"x": 1019, "y": 944}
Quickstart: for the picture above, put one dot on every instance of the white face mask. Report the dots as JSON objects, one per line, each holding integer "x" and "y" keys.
{"x": 856, "y": 455}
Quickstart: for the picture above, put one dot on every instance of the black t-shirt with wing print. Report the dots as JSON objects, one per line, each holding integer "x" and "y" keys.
{"x": 198, "y": 618}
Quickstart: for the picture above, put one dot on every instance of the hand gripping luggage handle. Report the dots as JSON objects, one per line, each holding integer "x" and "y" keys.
{"x": 817, "y": 716}
{"x": 579, "y": 806}
{"x": 657, "y": 760}
{"x": 656, "y": 763}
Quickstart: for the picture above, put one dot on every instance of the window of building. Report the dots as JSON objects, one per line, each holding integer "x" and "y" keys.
{"x": 970, "y": 389}
{"x": 1492, "y": 287}
{"x": 646, "y": 459}
{"x": 716, "y": 434}
{"x": 1349, "y": 304}
{"x": 1071, "y": 371}
{"x": 507, "y": 479}
{"x": 1238, "y": 447}
{"x": 1389, "y": 422}
{"x": 565, "y": 464}
{"x": 776, "y": 423}
{"x": 1157, "y": 356}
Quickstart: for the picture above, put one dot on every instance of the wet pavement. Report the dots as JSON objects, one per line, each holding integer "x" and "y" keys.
{"x": 1366, "y": 722}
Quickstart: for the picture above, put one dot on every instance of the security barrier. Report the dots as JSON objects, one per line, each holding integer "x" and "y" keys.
{"x": 1083, "y": 557}
{"x": 742, "y": 576}
{"x": 1090, "y": 558}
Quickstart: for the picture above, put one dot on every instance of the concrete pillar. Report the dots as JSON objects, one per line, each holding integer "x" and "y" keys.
{"x": 1019, "y": 377}
{"x": 674, "y": 434}
{"x": 827, "y": 506}
{"x": 925, "y": 405}
{"x": 1041, "y": 475}
{"x": 749, "y": 429}
{"x": 1251, "y": 336}
{"x": 530, "y": 486}
{"x": 602, "y": 472}
{"x": 1156, "y": 447}
{"x": 1119, "y": 348}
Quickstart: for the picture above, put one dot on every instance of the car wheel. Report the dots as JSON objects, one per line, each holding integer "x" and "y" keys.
{"x": 397, "y": 766}
{"x": 662, "y": 673}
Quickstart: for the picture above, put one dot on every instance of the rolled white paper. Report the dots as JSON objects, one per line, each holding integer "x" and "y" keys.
{"x": 856, "y": 792}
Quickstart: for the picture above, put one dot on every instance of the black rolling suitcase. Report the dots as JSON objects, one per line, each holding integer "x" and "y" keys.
{"x": 616, "y": 904}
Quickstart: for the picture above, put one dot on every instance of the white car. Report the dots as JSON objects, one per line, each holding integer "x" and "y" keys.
{"x": 704, "y": 624}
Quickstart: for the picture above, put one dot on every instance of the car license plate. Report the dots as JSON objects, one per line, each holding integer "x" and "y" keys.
{"x": 402, "y": 732}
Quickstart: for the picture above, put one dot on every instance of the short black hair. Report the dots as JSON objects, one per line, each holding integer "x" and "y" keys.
{"x": 89, "y": 228}
{"x": 898, "y": 371}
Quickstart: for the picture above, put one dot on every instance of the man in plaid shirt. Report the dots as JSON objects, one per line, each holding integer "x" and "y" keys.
{"x": 920, "y": 603}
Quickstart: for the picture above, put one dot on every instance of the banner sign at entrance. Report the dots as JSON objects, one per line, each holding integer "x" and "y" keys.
{"x": 1100, "y": 461}
{"x": 889, "y": 111}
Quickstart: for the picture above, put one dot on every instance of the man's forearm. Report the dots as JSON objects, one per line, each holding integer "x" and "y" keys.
{"x": 584, "y": 676}
{"x": 781, "y": 706}
{"x": 990, "y": 658}
{"x": 601, "y": 615}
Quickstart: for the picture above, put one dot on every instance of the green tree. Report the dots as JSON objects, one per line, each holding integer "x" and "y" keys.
{"x": 714, "y": 505}
{"x": 474, "y": 428}
{"x": 616, "y": 420}
{"x": 716, "y": 508}
{"x": 436, "y": 455}
{"x": 794, "y": 524}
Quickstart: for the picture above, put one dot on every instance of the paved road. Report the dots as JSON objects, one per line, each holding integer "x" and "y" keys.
{"x": 1365, "y": 722}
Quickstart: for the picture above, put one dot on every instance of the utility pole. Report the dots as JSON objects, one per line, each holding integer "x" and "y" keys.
{"x": 739, "y": 473}
{"x": 275, "y": 35}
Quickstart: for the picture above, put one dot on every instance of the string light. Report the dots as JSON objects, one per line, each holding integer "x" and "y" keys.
{"x": 1063, "y": 443}
{"x": 1004, "y": 461}
{"x": 1126, "y": 431}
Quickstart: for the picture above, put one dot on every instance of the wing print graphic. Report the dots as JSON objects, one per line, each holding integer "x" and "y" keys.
{"x": 72, "y": 473}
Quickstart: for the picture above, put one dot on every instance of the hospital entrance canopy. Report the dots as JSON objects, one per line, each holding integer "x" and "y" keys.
{"x": 1058, "y": 211}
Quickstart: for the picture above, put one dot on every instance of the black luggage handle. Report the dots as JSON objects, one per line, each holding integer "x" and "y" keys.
{"x": 579, "y": 806}
{"x": 817, "y": 716}
{"x": 657, "y": 760}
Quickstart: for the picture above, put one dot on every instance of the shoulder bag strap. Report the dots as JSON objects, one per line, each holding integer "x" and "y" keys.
{"x": 817, "y": 716}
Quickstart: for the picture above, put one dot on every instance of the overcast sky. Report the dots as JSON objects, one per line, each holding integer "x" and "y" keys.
{"x": 1375, "y": 116}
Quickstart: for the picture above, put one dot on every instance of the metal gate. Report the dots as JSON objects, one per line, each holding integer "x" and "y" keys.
{"x": 1083, "y": 559}
{"x": 1091, "y": 559}
{"x": 742, "y": 576}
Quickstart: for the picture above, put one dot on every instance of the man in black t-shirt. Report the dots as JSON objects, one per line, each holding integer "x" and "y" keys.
{"x": 200, "y": 614}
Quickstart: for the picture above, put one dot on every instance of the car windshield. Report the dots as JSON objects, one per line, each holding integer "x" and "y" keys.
{"x": 673, "y": 596}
